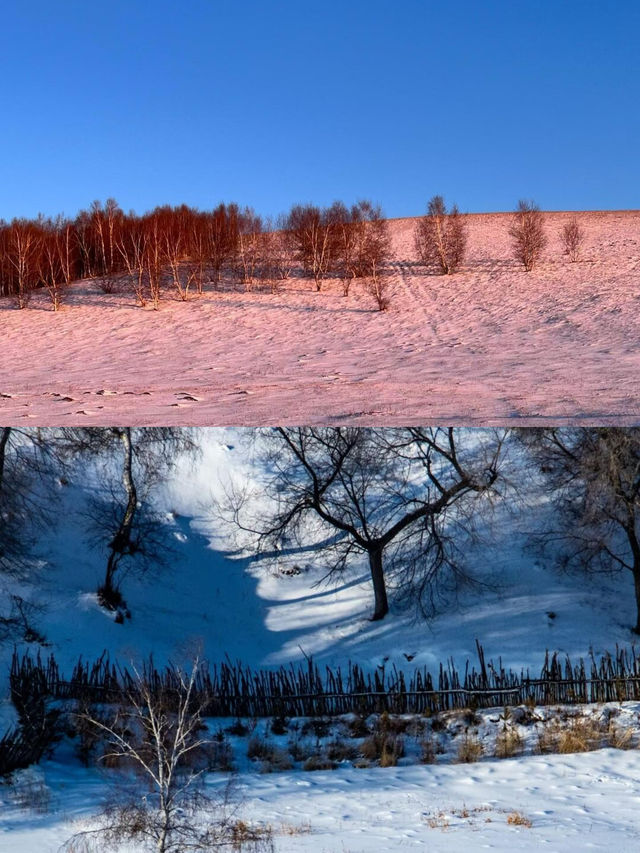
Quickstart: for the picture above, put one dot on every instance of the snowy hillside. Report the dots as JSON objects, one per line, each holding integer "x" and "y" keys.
{"x": 214, "y": 600}
{"x": 492, "y": 344}
{"x": 211, "y": 596}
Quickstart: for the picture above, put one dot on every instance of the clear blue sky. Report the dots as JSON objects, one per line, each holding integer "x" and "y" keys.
{"x": 271, "y": 103}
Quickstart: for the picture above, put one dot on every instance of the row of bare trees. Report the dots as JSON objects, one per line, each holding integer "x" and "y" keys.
{"x": 183, "y": 248}
{"x": 440, "y": 237}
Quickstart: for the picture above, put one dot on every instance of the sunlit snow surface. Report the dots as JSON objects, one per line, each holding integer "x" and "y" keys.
{"x": 490, "y": 344}
{"x": 574, "y": 802}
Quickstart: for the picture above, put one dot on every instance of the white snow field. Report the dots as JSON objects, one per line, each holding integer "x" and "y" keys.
{"x": 491, "y": 344}
{"x": 214, "y": 601}
{"x": 576, "y": 802}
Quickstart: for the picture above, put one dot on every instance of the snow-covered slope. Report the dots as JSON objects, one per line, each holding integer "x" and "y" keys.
{"x": 211, "y": 597}
{"x": 213, "y": 600}
{"x": 490, "y": 344}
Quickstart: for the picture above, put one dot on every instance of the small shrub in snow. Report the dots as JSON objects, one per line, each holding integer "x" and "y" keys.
{"x": 384, "y": 748}
{"x": 319, "y": 762}
{"x": 300, "y": 750}
{"x": 238, "y": 728}
{"x": 378, "y": 286}
{"x": 294, "y": 829}
{"x": 518, "y": 819}
{"x": 469, "y": 749}
{"x": 258, "y": 747}
{"x": 318, "y": 726}
{"x": 619, "y": 738}
{"x": 272, "y": 757}
{"x": 572, "y": 236}
{"x": 276, "y": 760}
{"x": 427, "y": 750}
{"x": 357, "y": 726}
{"x": 340, "y": 750}
{"x": 279, "y": 725}
{"x": 508, "y": 743}
{"x": 527, "y": 234}
{"x": 437, "y": 723}
{"x": 219, "y": 754}
{"x": 582, "y": 735}
{"x": 391, "y": 751}
{"x": 388, "y": 724}
{"x": 369, "y": 749}
{"x": 569, "y": 735}
{"x": 246, "y": 836}
{"x": 438, "y": 821}
{"x": 470, "y": 717}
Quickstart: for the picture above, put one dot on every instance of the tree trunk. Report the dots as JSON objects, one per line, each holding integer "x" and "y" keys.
{"x": 121, "y": 541}
{"x": 381, "y": 606}
{"x": 630, "y": 530}
{"x": 636, "y": 583}
{"x": 4, "y": 440}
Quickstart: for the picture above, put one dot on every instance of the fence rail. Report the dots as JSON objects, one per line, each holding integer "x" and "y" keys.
{"x": 234, "y": 690}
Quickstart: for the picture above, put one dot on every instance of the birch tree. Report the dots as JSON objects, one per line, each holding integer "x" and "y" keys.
{"x": 159, "y": 731}
{"x": 440, "y": 237}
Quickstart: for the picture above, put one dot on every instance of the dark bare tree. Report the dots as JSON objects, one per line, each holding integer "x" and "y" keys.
{"x": 30, "y": 460}
{"x": 126, "y": 519}
{"x": 398, "y": 496}
{"x": 528, "y": 237}
{"x": 14, "y": 514}
{"x": 595, "y": 476}
{"x": 440, "y": 237}
{"x": 28, "y": 457}
{"x": 572, "y": 236}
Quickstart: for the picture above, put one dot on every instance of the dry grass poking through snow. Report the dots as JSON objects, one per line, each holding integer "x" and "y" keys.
{"x": 518, "y": 819}
{"x": 455, "y": 818}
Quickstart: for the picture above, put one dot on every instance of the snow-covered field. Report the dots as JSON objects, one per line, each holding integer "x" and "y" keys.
{"x": 573, "y": 802}
{"x": 492, "y": 344}
{"x": 215, "y": 601}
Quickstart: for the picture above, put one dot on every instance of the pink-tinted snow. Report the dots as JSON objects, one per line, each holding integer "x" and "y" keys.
{"x": 492, "y": 344}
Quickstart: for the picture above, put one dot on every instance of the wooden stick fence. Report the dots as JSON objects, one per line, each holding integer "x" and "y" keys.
{"x": 233, "y": 690}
